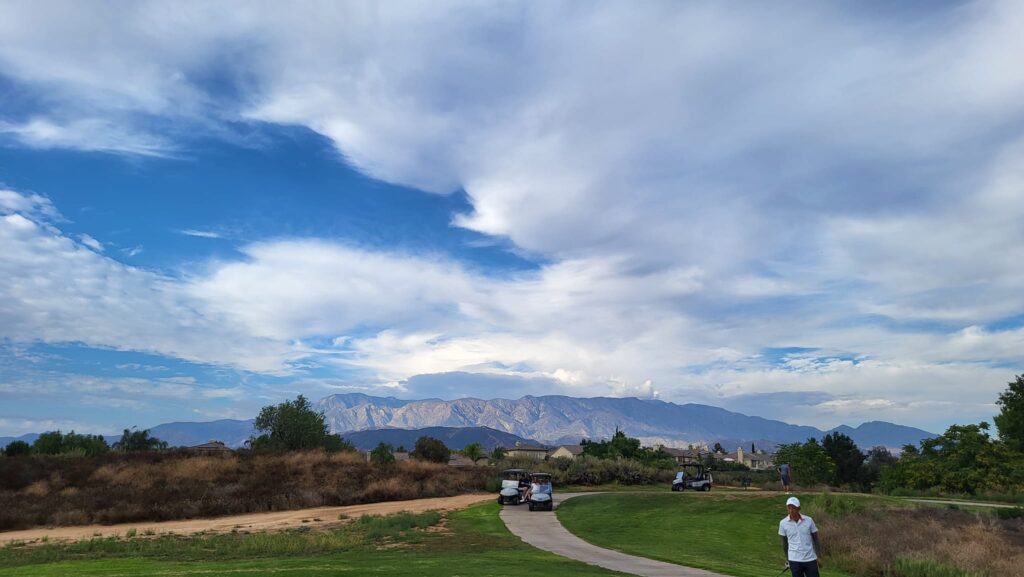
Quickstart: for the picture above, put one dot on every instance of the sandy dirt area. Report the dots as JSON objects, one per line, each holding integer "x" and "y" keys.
{"x": 276, "y": 521}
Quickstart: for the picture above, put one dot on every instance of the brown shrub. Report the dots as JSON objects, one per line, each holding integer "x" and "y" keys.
{"x": 37, "y": 489}
{"x": 117, "y": 488}
{"x": 871, "y": 542}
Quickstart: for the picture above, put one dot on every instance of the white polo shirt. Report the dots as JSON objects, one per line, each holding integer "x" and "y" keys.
{"x": 801, "y": 548}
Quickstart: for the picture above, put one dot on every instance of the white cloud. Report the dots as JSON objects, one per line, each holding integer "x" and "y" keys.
{"x": 87, "y": 134}
{"x": 701, "y": 181}
{"x": 201, "y": 233}
{"x": 91, "y": 242}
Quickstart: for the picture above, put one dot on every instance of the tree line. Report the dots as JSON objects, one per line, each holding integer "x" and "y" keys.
{"x": 74, "y": 444}
{"x": 965, "y": 459}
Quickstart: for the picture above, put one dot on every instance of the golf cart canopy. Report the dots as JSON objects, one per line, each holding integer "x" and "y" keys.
{"x": 514, "y": 473}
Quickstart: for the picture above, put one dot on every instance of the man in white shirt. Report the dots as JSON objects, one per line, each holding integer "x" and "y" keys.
{"x": 800, "y": 541}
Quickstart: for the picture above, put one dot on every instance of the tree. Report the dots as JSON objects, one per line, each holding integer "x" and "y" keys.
{"x": 498, "y": 453}
{"x": 48, "y": 443}
{"x": 132, "y": 441}
{"x": 295, "y": 426}
{"x": 1010, "y": 420}
{"x": 847, "y": 458}
{"x": 382, "y": 454}
{"x": 17, "y": 449}
{"x": 964, "y": 459}
{"x": 473, "y": 451}
{"x": 810, "y": 463}
{"x": 718, "y": 448}
{"x": 431, "y": 449}
{"x": 877, "y": 461}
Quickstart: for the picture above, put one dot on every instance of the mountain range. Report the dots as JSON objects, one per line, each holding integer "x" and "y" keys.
{"x": 558, "y": 419}
{"x": 548, "y": 419}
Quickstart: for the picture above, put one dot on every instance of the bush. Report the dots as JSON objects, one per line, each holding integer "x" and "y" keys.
{"x": 158, "y": 486}
{"x": 431, "y": 449}
{"x": 17, "y": 449}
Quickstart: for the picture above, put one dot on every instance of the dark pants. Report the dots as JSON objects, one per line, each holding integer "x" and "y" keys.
{"x": 804, "y": 568}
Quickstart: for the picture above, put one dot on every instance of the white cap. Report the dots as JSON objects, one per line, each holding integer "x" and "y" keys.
{"x": 793, "y": 501}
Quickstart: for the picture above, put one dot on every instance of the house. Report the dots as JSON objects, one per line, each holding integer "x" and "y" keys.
{"x": 567, "y": 451}
{"x": 683, "y": 456}
{"x": 530, "y": 451}
{"x": 756, "y": 461}
{"x": 212, "y": 446}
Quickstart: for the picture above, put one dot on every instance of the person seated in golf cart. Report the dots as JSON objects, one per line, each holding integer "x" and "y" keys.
{"x": 514, "y": 484}
{"x": 539, "y": 483}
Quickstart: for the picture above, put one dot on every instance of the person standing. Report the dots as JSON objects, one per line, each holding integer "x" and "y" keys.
{"x": 800, "y": 541}
{"x": 785, "y": 473}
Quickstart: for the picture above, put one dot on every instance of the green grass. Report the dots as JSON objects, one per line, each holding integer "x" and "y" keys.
{"x": 732, "y": 533}
{"x": 474, "y": 542}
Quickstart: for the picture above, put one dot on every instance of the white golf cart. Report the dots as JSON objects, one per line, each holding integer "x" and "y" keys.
{"x": 540, "y": 494}
{"x": 514, "y": 483}
{"x": 693, "y": 477}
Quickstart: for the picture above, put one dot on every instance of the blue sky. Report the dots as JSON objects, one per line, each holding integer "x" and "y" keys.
{"x": 796, "y": 210}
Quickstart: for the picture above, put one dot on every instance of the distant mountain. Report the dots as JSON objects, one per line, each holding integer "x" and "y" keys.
{"x": 29, "y": 438}
{"x": 550, "y": 419}
{"x": 876, "y": 433}
{"x": 559, "y": 419}
{"x": 231, "y": 432}
{"x": 454, "y": 438}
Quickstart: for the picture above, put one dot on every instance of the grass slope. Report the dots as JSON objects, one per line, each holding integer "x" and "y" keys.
{"x": 475, "y": 543}
{"x": 733, "y": 533}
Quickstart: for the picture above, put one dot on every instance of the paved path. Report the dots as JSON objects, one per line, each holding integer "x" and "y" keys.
{"x": 542, "y": 530}
{"x": 964, "y": 503}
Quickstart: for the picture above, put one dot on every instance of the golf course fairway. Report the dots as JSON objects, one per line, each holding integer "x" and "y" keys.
{"x": 730, "y": 533}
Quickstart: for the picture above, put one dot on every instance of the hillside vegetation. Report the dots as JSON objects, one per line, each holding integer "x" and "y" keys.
{"x": 157, "y": 486}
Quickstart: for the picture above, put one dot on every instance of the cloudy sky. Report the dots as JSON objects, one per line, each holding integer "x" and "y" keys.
{"x": 800, "y": 210}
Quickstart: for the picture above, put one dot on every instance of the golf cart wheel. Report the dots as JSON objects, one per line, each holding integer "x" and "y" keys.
{"x": 531, "y": 506}
{"x": 707, "y": 488}
{"x": 515, "y": 500}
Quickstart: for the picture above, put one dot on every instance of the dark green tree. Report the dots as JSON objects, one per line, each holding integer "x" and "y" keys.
{"x": 48, "y": 443}
{"x": 382, "y": 454}
{"x": 1010, "y": 420}
{"x": 718, "y": 448}
{"x": 498, "y": 453}
{"x": 17, "y": 449}
{"x": 431, "y": 449}
{"x": 964, "y": 459}
{"x": 878, "y": 460}
{"x": 295, "y": 426}
{"x": 810, "y": 463}
{"x": 133, "y": 441}
{"x": 847, "y": 458}
{"x": 473, "y": 451}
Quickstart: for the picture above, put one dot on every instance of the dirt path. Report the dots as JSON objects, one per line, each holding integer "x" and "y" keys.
{"x": 276, "y": 521}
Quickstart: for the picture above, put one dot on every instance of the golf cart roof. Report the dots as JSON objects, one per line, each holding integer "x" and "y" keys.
{"x": 514, "y": 471}
{"x": 544, "y": 475}
{"x": 691, "y": 466}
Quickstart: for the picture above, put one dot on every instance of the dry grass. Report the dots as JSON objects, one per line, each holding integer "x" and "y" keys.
{"x": 879, "y": 542}
{"x": 115, "y": 488}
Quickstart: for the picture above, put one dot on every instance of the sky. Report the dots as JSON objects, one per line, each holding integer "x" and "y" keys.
{"x": 805, "y": 211}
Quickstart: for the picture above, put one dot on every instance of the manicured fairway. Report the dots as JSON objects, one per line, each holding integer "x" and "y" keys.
{"x": 475, "y": 543}
{"x": 732, "y": 533}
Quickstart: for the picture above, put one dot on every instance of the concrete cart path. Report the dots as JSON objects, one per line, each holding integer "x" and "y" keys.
{"x": 542, "y": 530}
{"x": 964, "y": 503}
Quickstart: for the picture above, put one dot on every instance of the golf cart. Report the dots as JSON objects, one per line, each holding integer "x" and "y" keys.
{"x": 514, "y": 483}
{"x": 539, "y": 496}
{"x": 693, "y": 477}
